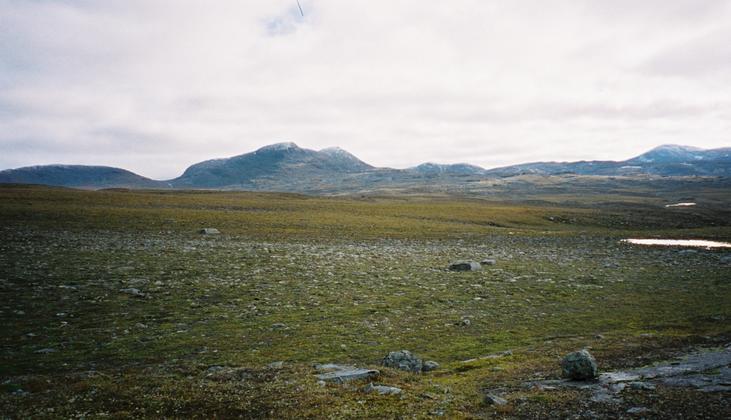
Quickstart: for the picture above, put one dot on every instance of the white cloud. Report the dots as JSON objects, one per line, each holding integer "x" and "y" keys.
{"x": 153, "y": 86}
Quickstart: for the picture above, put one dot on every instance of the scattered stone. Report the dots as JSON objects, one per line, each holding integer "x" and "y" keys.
{"x": 491, "y": 399}
{"x": 275, "y": 365}
{"x": 403, "y": 360}
{"x": 604, "y": 396}
{"x": 706, "y": 371}
{"x": 20, "y": 393}
{"x": 687, "y": 252}
{"x": 642, "y": 386}
{"x": 579, "y": 365}
{"x": 382, "y": 389}
{"x": 209, "y": 231}
{"x": 343, "y": 373}
{"x": 488, "y": 261}
{"x": 490, "y": 356}
{"x": 465, "y": 266}
{"x": 132, "y": 291}
{"x": 46, "y": 351}
{"x": 430, "y": 365}
{"x": 225, "y": 373}
{"x": 637, "y": 410}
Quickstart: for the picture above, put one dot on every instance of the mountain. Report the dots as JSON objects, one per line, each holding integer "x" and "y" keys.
{"x": 281, "y": 160}
{"x": 666, "y": 160}
{"x": 288, "y": 167}
{"x": 78, "y": 176}
{"x": 454, "y": 169}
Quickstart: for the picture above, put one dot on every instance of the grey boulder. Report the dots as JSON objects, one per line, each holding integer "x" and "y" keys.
{"x": 579, "y": 365}
{"x": 430, "y": 365}
{"x": 465, "y": 266}
{"x": 403, "y": 360}
{"x": 491, "y": 399}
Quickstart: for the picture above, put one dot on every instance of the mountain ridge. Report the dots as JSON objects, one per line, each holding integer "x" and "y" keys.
{"x": 288, "y": 167}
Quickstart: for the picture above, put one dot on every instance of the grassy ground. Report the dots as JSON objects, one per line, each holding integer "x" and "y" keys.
{"x": 308, "y": 280}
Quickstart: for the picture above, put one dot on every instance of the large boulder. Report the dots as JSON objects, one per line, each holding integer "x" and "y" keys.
{"x": 465, "y": 266}
{"x": 403, "y": 360}
{"x": 579, "y": 365}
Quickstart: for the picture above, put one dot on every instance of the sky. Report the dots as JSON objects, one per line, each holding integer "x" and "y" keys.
{"x": 156, "y": 85}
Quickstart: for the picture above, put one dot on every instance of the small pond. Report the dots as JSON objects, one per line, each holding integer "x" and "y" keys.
{"x": 700, "y": 243}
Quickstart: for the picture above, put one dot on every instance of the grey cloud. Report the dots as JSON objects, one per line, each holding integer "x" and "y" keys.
{"x": 395, "y": 82}
{"x": 706, "y": 55}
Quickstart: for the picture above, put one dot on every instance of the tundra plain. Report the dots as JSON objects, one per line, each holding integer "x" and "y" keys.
{"x": 114, "y": 305}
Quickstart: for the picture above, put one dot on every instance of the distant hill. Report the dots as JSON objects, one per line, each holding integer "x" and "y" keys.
{"x": 281, "y": 160}
{"x": 666, "y": 160}
{"x": 454, "y": 169}
{"x": 288, "y": 167}
{"x": 78, "y": 176}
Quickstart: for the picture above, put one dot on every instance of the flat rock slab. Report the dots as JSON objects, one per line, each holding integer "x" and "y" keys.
{"x": 707, "y": 371}
{"x": 382, "y": 389}
{"x": 344, "y": 373}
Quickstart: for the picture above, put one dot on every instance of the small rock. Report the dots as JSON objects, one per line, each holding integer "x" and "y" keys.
{"x": 275, "y": 365}
{"x": 465, "y": 266}
{"x": 491, "y": 399}
{"x": 637, "y": 410}
{"x": 279, "y": 326}
{"x": 46, "y": 351}
{"x": 599, "y": 337}
{"x": 643, "y": 386}
{"x": 726, "y": 259}
{"x": 488, "y": 261}
{"x": 344, "y": 373}
{"x": 430, "y": 365}
{"x": 209, "y": 231}
{"x": 403, "y": 360}
{"x": 465, "y": 322}
{"x": 132, "y": 291}
{"x": 224, "y": 373}
{"x": 382, "y": 389}
{"x": 579, "y": 365}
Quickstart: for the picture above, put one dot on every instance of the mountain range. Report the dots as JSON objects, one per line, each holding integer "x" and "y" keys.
{"x": 288, "y": 167}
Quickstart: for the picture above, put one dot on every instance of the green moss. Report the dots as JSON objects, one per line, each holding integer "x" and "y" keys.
{"x": 349, "y": 279}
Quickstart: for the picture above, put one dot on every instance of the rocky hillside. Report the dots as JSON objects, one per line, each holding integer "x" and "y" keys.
{"x": 288, "y": 167}
{"x": 78, "y": 176}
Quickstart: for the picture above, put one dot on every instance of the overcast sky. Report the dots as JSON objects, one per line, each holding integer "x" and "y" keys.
{"x": 156, "y": 85}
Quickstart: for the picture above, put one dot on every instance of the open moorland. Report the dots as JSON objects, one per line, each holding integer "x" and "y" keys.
{"x": 114, "y": 305}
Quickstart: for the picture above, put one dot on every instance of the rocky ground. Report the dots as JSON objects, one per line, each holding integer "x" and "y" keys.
{"x": 103, "y": 321}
